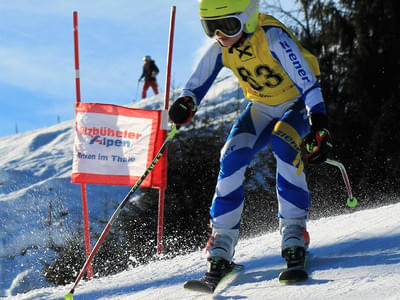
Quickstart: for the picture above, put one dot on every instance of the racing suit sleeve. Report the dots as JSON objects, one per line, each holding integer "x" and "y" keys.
{"x": 204, "y": 74}
{"x": 286, "y": 51}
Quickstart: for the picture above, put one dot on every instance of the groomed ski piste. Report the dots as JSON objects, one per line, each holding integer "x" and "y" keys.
{"x": 354, "y": 256}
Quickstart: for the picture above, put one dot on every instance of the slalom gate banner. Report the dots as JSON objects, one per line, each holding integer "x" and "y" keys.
{"x": 114, "y": 145}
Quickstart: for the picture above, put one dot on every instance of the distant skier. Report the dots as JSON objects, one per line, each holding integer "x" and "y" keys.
{"x": 278, "y": 76}
{"x": 150, "y": 71}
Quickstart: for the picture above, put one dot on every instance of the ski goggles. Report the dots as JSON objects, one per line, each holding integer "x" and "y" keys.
{"x": 229, "y": 26}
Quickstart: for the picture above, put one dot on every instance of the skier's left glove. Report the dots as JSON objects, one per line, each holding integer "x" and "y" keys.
{"x": 318, "y": 142}
{"x": 183, "y": 110}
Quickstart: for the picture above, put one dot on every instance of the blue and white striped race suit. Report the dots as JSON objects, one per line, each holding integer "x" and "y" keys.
{"x": 282, "y": 126}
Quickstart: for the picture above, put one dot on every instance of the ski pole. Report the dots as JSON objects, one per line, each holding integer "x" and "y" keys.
{"x": 351, "y": 200}
{"x": 137, "y": 88}
{"x": 69, "y": 295}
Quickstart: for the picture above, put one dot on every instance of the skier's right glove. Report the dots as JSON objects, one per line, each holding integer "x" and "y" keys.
{"x": 318, "y": 142}
{"x": 183, "y": 110}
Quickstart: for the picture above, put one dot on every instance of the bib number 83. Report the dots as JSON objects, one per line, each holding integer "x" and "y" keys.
{"x": 264, "y": 77}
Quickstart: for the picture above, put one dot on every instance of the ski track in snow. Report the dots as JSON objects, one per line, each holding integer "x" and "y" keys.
{"x": 354, "y": 256}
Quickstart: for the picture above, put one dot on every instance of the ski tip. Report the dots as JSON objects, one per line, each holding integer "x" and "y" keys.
{"x": 293, "y": 276}
{"x": 199, "y": 286}
{"x": 290, "y": 282}
{"x": 69, "y": 296}
{"x": 238, "y": 267}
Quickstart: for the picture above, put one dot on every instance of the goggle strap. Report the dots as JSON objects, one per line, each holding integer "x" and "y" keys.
{"x": 250, "y": 10}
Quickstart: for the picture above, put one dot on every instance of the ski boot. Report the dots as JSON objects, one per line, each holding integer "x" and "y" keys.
{"x": 295, "y": 241}
{"x": 222, "y": 243}
{"x": 219, "y": 253}
{"x": 217, "y": 268}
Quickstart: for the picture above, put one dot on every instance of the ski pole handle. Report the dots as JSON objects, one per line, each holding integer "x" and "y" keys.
{"x": 351, "y": 200}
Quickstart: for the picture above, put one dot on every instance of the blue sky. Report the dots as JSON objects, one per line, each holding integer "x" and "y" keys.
{"x": 37, "y": 77}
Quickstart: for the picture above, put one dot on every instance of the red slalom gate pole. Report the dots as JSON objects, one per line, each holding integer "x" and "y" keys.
{"x": 169, "y": 56}
{"x": 83, "y": 186}
{"x": 86, "y": 228}
{"x": 76, "y": 52}
{"x": 164, "y": 128}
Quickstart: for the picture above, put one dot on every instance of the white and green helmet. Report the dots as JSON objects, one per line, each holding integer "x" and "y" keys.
{"x": 228, "y": 17}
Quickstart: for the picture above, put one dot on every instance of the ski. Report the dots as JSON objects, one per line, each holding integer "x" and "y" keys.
{"x": 295, "y": 274}
{"x": 205, "y": 285}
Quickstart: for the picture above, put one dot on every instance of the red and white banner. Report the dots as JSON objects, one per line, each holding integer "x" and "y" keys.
{"x": 114, "y": 145}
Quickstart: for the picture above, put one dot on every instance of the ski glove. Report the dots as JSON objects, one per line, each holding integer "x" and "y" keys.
{"x": 183, "y": 110}
{"x": 318, "y": 142}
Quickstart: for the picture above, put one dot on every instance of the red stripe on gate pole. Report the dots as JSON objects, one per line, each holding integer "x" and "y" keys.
{"x": 76, "y": 51}
{"x": 169, "y": 57}
{"x": 86, "y": 228}
{"x": 83, "y": 186}
{"x": 161, "y": 192}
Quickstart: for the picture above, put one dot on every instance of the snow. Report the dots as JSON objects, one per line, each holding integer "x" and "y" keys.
{"x": 354, "y": 256}
{"x": 35, "y": 179}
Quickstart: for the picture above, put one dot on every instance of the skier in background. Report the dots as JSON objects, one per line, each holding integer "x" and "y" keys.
{"x": 150, "y": 71}
{"x": 278, "y": 77}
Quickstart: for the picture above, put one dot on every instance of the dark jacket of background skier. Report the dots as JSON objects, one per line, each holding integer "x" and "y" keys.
{"x": 150, "y": 71}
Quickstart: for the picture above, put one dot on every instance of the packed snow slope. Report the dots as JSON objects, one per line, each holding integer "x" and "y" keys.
{"x": 354, "y": 256}
{"x": 39, "y": 206}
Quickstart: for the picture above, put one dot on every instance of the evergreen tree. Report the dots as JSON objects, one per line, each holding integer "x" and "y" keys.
{"x": 356, "y": 42}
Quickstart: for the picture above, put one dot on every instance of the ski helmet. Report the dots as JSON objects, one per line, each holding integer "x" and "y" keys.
{"x": 147, "y": 57}
{"x": 229, "y": 17}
